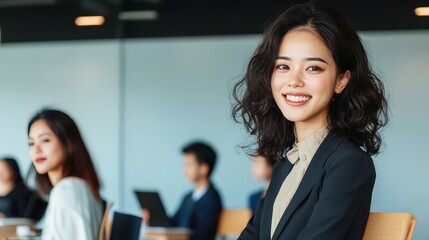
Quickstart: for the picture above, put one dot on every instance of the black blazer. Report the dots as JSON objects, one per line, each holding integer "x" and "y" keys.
{"x": 332, "y": 202}
{"x": 202, "y": 216}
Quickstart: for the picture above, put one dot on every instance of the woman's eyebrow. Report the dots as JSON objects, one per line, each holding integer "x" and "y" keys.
{"x": 307, "y": 59}
{"x": 316, "y": 59}
{"x": 41, "y": 135}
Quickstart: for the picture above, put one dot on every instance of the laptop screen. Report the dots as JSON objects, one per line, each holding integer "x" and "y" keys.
{"x": 152, "y": 202}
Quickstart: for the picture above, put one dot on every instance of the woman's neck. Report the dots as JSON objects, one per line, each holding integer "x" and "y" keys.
{"x": 303, "y": 130}
{"x": 55, "y": 176}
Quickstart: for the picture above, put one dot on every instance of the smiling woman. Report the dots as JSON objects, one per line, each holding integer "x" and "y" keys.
{"x": 65, "y": 171}
{"x": 311, "y": 100}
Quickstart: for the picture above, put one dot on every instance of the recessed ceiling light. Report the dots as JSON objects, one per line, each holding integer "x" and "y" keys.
{"x": 422, "y": 11}
{"x": 89, "y": 21}
{"x": 146, "y": 15}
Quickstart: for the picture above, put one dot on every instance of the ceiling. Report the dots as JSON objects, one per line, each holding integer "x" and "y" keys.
{"x": 52, "y": 20}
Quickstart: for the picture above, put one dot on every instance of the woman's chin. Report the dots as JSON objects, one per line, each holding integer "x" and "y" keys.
{"x": 41, "y": 171}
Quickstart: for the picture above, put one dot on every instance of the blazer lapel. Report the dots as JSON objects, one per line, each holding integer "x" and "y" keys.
{"x": 311, "y": 176}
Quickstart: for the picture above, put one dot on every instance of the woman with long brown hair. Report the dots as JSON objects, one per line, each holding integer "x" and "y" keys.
{"x": 65, "y": 171}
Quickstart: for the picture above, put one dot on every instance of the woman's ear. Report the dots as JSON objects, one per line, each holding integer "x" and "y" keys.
{"x": 342, "y": 81}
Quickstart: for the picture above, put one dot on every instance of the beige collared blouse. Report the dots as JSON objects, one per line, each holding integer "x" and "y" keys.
{"x": 300, "y": 156}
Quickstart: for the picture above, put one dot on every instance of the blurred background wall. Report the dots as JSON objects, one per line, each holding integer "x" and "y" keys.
{"x": 138, "y": 101}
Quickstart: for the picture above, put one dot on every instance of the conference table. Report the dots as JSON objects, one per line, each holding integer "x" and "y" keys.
{"x": 163, "y": 233}
{"x": 9, "y": 227}
{"x": 17, "y": 229}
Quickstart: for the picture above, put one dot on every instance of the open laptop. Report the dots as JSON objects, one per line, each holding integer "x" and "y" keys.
{"x": 152, "y": 202}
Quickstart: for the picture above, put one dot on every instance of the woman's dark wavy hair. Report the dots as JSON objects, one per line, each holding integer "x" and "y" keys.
{"x": 357, "y": 113}
{"x": 78, "y": 162}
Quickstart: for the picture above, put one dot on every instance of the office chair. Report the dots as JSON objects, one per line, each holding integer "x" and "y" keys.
{"x": 103, "y": 233}
{"x": 389, "y": 226}
{"x": 233, "y": 221}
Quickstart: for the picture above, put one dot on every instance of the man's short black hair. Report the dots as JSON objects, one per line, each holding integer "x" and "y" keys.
{"x": 203, "y": 152}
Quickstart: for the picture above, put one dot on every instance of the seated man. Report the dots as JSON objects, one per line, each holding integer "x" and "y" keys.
{"x": 200, "y": 208}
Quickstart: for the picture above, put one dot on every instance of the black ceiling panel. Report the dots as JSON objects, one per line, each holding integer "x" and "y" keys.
{"x": 52, "y": 20}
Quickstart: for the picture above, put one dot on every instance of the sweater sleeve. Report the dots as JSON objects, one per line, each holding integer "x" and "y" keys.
{"x": 72, "y": 213}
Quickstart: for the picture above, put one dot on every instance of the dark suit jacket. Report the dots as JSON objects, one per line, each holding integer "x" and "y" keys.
{"x": 202, "y": 216}
{"x": 332, "y": 202}
{"x": 254, "y": 199}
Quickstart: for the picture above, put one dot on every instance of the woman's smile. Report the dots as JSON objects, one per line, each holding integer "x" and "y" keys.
{"x": 297, "y": 99}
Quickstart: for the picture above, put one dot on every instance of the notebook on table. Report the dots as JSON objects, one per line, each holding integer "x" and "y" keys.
{"x": 152, "y": 202}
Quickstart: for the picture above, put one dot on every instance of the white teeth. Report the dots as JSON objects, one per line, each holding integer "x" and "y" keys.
{"x": 297, "y": 98}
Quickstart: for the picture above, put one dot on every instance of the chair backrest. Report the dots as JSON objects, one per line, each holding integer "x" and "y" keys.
{"x": 233, "y": 221}
{"x": 102, "y": 230}
{"x": 125, "y": 226}
{"x": 389, "y": 226}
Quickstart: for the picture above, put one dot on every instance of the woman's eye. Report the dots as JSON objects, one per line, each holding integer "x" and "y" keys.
{"x": 45, "y": 140}
{"x": 282, "y": 67}
{"x": 30, "y": 144}
{"x": 314, "y": 69}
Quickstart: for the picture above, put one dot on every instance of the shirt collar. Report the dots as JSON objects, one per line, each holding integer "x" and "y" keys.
{"x": 305, "y": 149}
{"x": 198, "y": 193}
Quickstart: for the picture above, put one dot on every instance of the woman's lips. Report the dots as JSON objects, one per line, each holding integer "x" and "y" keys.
{"x": 39, "y": 160}
{"x": 297, "y": 99}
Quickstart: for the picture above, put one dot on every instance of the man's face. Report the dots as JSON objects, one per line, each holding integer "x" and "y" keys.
{"x": 193, "y": 169}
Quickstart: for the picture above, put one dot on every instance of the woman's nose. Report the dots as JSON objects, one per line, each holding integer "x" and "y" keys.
{"x": 36, "y": 148}
{"x": 295, "y": 80}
